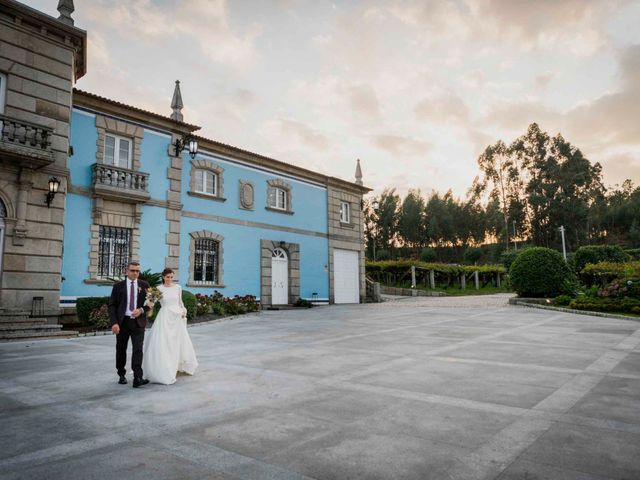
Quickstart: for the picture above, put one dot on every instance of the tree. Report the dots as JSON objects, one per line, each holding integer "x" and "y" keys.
{"x": 411, "y": 224}
{"x": 501, "y": 179}
{"x": 386, "y": 215}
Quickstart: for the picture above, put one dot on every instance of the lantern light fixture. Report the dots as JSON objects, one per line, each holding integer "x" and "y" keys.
{"x": 188, "y": 142}
{"x": 54, "y": 185}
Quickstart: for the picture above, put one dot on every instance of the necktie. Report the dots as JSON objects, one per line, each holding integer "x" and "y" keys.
{"x": 131, "y": 298}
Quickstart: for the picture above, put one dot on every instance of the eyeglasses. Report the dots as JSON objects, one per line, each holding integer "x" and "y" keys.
{"x": 134, "y": 271}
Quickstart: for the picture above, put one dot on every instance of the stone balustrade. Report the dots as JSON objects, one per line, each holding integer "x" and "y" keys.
{"x": 27, "y": 141}
{"x": 120, "y": 182}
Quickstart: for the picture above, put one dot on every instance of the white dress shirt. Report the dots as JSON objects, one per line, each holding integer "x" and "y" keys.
{"x": 128, "y": 312}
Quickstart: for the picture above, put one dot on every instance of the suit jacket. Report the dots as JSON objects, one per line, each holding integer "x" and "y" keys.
{"x": 120, "y": 298}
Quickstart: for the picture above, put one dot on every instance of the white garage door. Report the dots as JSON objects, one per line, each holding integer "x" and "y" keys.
{"x": 346, "y": 278}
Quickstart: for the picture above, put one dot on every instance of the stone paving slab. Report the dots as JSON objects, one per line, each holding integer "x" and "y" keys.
{"x": 418, "y": 388}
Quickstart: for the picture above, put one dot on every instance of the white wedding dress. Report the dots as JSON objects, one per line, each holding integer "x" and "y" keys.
{"x": 168, "y": 348}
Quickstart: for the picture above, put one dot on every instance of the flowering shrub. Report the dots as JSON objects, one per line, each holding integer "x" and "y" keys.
{"x": 99, "y": 317}
{"x": 614, "y": 289}
{"x": 218, "y": 304}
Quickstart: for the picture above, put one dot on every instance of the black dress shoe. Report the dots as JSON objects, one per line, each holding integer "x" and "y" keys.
{"x": 138, "y": 382}
{"x": 123, "y": 380}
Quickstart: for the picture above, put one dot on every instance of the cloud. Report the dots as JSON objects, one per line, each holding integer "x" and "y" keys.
{"x": 204, "y": 22}
{"x": 613, "y": 117}
{"x": 574, "y": 25}
{"x": 303, "y": 133}
{"x": 401, "y": 146}
{"x": 448, "y": 109}
{"x": 363, "y": 101}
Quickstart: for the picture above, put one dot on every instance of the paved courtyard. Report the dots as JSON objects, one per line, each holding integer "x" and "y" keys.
{"x": 413, "y": 389}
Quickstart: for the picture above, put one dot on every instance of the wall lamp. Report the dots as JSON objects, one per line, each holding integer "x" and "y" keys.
{"x": 187, "y": 141}
{"x": 54, "y": 184}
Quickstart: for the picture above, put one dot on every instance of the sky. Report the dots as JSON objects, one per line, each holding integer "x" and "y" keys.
{"x": 415, "y": 89}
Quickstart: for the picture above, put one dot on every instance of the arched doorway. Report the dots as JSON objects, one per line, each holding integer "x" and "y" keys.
{"x": 279, "y": 277}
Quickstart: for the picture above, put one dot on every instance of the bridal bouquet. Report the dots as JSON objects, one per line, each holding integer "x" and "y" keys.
{"x": 153, "y": 296}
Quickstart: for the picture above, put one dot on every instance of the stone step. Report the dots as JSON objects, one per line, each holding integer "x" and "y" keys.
{"x": 21, "y": 335}
{"x": 31, "y": 322}
{"x": 27, "y": 329}
{"x": 13, "y": 318}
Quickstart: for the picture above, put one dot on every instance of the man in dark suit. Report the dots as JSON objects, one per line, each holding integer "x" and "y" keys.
{"x": 128, "y": 316}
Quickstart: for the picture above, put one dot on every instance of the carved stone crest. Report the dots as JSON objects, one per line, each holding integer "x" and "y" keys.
{"x": 247, "y": 195}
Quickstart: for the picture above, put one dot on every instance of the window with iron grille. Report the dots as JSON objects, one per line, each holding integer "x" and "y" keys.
{"x": 206, "y": 261}
{"x": 114, "y": 251}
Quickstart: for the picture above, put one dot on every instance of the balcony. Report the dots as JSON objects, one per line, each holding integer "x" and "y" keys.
{"x": 120, "y": 183}
{"x": 27, "y": 143}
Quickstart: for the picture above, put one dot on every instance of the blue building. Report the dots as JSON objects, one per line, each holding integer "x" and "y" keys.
{"x": 223, "y": 218}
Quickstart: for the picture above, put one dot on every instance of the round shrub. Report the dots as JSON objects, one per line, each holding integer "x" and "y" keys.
{"x": 428, "y": 255}
{"x": 539, "y": 272}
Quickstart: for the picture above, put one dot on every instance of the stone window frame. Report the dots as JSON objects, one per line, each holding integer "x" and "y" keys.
{"x": 108, "y": 219}
{"x": 116, "y": 127}
{"x": 277, "y": 183}
{"x": 348, "y": 205}
{"x": 192, "y": 257}
{"x": 245, "y": 203}
{"x": 209, "y": 166}
{"x": 3, "y": 91}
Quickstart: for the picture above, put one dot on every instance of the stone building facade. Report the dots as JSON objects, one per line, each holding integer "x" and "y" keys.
{"x": 224, "y": 219}
{"x": 41, "y": 58}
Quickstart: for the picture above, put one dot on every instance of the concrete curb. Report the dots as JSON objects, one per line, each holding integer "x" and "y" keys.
{"x": 570, "y": 310}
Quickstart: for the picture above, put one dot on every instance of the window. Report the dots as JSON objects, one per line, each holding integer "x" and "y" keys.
{"x": 205, "y": 265}
{"x": 206, "y": 182}
{"x": 117, "y": 151}
{"x": 345, "y": 212}
{"x": 3, "y": 215}
{"x": 3, "y": 88}
{"x": 114, "y": 251}
{"x": 278, "y": 198}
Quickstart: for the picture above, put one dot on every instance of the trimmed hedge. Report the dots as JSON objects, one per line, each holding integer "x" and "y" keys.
{"x": 597, "y": 254}
{"x": 86, "y": 305}
{"x": 604, "y": 304}
{"x": 428, "y": 255}
{"x": 539, "y": 272}
{"x": 189, "y": 300}
{"x": 605, "y": 272}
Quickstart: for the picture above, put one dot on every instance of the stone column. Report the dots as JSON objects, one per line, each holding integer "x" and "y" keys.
{"x": 25, "y": 184}
{"x": 174, "y": 210}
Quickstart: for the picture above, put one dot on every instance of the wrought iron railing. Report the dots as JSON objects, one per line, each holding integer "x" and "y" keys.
{"x": 119, "y": 178}
{"x": 25, "y": 134}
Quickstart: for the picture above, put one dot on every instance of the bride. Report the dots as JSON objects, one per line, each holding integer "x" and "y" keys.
{"x": 168, "y": 348}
